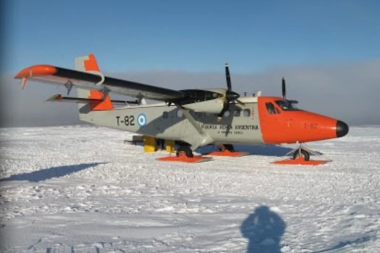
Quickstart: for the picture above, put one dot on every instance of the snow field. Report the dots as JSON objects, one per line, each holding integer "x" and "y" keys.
{"x": 82, "y": 189}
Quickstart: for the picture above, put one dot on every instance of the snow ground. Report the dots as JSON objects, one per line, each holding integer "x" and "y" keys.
{"x": 82, "y": 189}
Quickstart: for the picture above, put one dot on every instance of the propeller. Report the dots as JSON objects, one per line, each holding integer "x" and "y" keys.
{"x": 228, "y": 77}
{"x": 283, "y": 88}
{"x": 229, "y": 95}
{"x": 284, "y": 92}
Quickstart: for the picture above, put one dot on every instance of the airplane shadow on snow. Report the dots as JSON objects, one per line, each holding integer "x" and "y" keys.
{"x": 342, "y": 244}
{"x": 265, "y": 150}
{"x": 53, "y": 172}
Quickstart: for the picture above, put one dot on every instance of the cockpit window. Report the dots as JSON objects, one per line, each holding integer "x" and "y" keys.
{"x": 271, "y": 109}
{"x": 286, "y": 105}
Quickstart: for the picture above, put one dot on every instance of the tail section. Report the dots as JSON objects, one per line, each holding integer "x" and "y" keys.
{"x": 88, "y": 63}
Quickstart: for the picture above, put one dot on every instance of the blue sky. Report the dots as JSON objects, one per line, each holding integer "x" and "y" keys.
{"x": 196, "y": 36}
{"x": 327, "y": 50}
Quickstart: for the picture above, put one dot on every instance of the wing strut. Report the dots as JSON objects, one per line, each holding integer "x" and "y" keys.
{"x": 69, "y": 86}
{"x": 196, "y": 137}
{"x": 24, "y": 82}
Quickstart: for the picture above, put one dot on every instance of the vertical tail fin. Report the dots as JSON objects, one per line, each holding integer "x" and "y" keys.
{"x": 88, "y": 63}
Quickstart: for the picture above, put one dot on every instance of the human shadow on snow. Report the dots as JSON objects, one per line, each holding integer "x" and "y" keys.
{"x": 41, "y": 175}
{"x": 263, "y": 228}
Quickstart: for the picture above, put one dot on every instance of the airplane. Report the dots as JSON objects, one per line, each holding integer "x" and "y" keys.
{"x": 191, "y": 117}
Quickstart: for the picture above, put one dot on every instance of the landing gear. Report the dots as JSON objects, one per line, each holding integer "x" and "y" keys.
{"x": 301, "y": 153}
{"x": 184, "y": 150}
{"x": 301, "y": 156}
{"x": 184, "y": 154}
{"x": 228, "y": 147}
{"x": 226, "y": 150}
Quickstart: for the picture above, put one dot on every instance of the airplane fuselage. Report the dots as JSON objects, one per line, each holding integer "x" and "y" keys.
{"x": 256, "y": 120}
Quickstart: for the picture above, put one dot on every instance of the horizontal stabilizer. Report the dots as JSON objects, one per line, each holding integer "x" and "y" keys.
{"x": 59, "y": 98}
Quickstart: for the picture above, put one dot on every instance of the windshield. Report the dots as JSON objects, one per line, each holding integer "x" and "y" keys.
{"x": 286, "y": 105}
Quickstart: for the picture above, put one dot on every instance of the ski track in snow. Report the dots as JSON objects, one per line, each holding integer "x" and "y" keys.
{"x": 82, "y": 189}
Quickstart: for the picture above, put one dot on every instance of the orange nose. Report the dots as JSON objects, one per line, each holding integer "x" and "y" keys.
{"x": 301, "y": 126}
{"x": 314, "y": 127}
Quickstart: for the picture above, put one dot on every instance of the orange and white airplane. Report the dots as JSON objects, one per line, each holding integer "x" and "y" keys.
{"x": 192, "y": 117}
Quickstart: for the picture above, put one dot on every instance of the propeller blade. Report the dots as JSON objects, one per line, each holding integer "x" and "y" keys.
{"x": 228, "y": 77}
{"x": 283, "y": 88}
{"x": 220, "y": 115}
{"x": 284, "y": 93}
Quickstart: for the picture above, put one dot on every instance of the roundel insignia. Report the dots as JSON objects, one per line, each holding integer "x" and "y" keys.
{"x": 141, "y": 119}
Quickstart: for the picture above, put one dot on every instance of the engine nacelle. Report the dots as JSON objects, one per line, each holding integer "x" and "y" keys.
{"x": 209, "y": 106}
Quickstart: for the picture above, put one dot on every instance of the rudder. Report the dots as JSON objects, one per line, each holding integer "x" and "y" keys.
{"x": 88, "y": 63}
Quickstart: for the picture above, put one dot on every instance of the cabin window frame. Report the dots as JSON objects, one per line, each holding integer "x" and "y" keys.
{"x": 289, "y": 106}
{"x": 246, "y": 112}
{"x": 237, "y": 112}
{"x": 226, "y": 113}
{"x": 271, "y": 111}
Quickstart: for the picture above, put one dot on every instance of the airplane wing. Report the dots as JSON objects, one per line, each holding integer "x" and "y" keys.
{"x": 209, "y": 101}
{"x": 97, "y": 81}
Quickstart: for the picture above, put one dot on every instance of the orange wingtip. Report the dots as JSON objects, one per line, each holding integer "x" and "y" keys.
{"x": 36, "y": 70}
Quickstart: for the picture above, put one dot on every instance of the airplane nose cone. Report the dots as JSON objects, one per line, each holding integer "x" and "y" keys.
{"x": 341, "y": 128}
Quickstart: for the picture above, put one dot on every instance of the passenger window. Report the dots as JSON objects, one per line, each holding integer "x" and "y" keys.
{"x": 179, "y": 113}
{"x": 246, "y": 112}
{"x": 165, "y": 115}
{"x": 237, "y": 112}
{"x": 226, "y": 114}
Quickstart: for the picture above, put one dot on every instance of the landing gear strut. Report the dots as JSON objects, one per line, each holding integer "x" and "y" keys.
{"x": 301, "y": 156}
{"x": 226, "y": 150}
{"x": 301, "y": 153}
{"x": 184, "y": 154}
{"x": 226, "y": 147}
{"x": 184, "y": 150}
